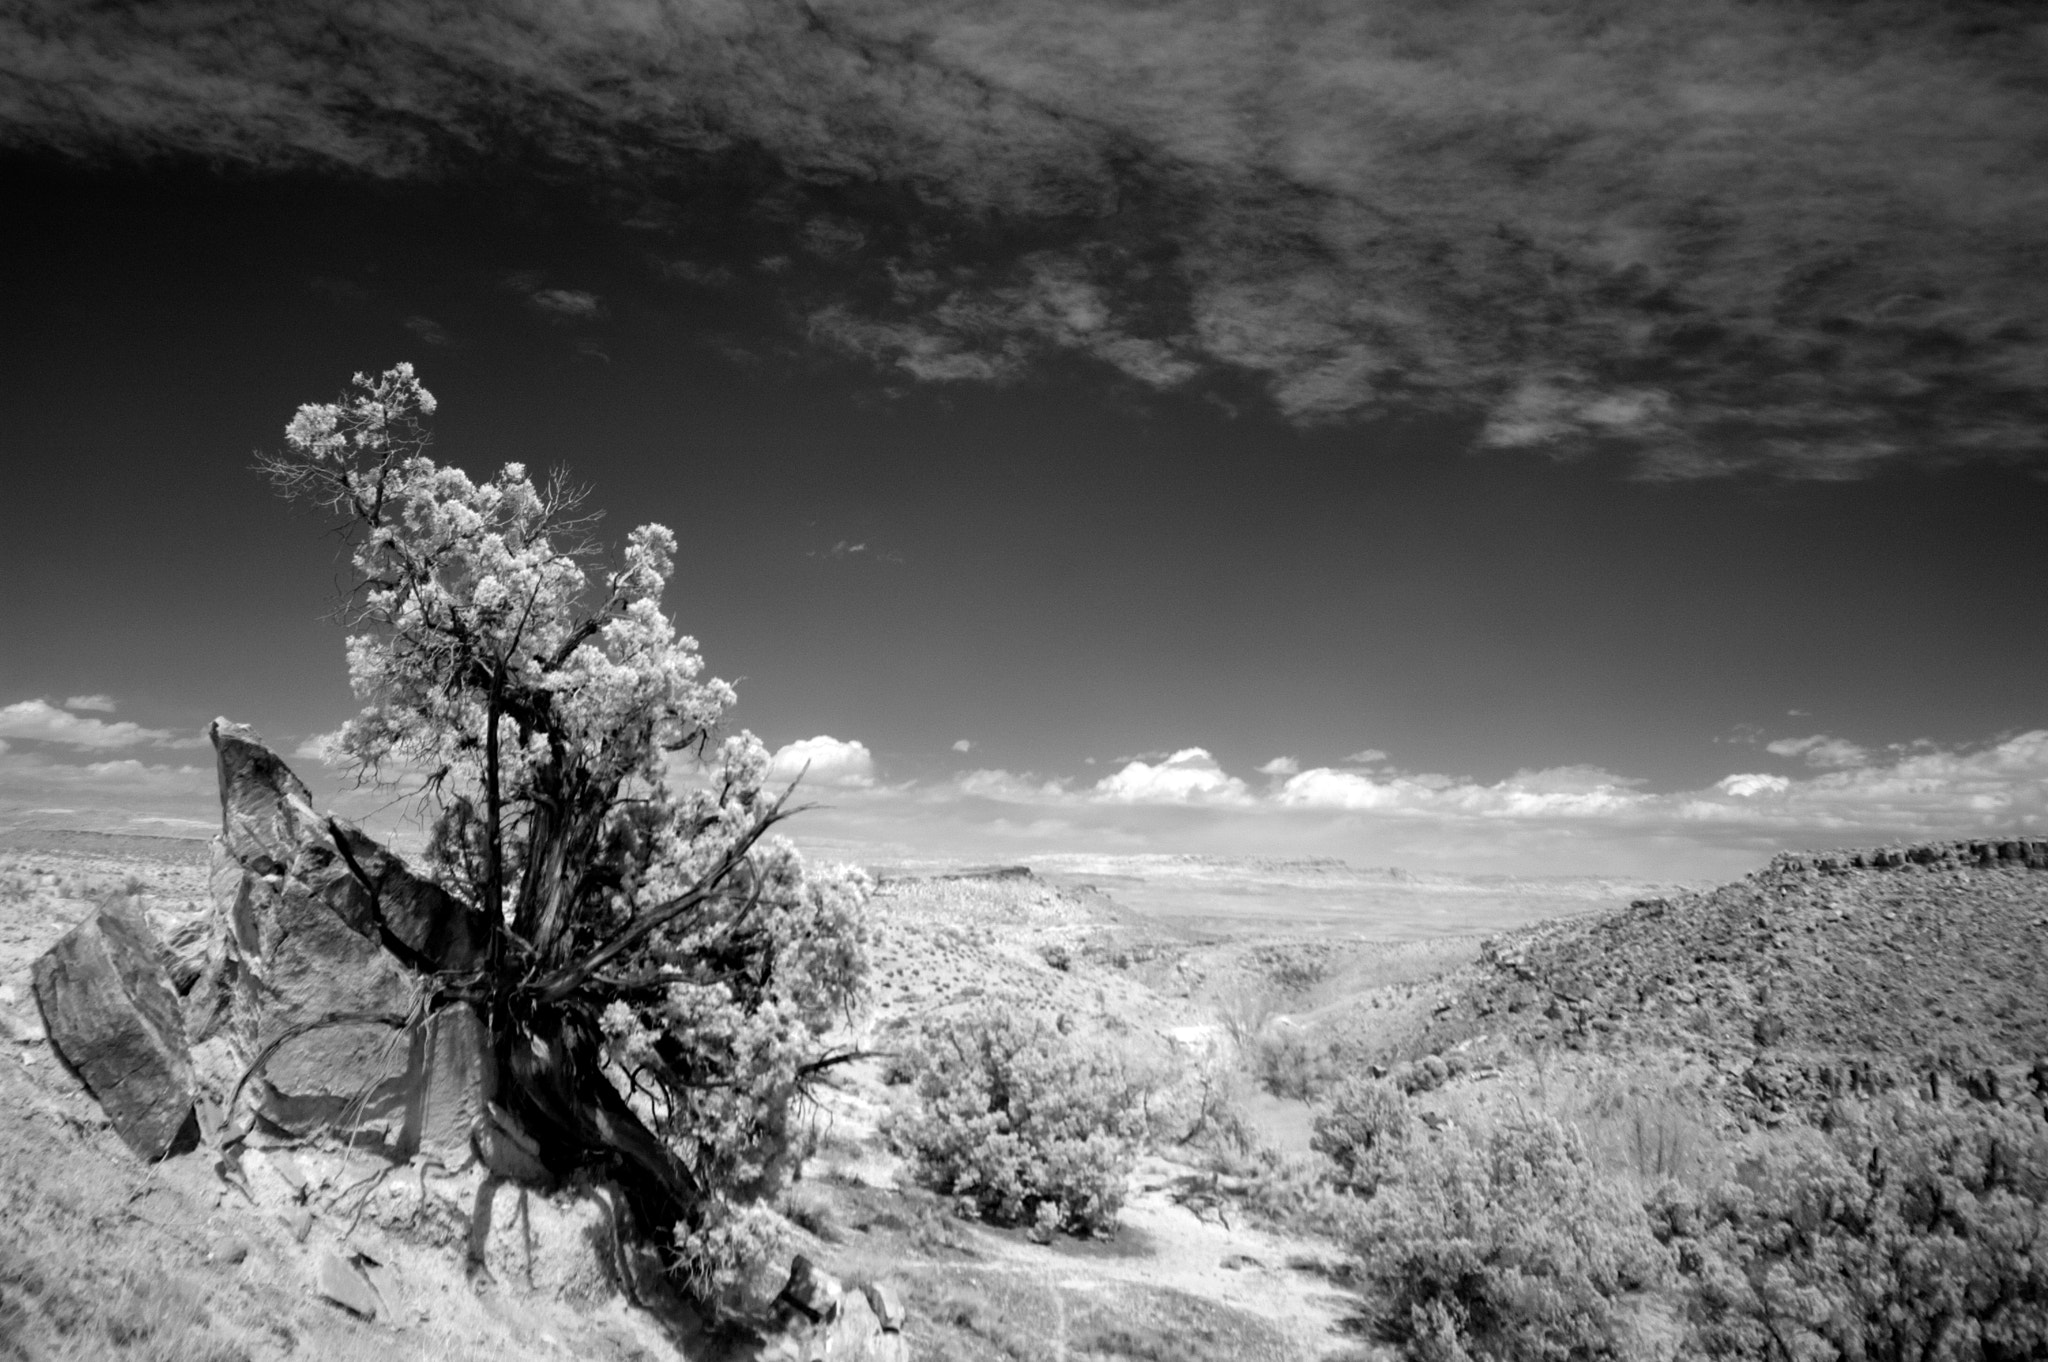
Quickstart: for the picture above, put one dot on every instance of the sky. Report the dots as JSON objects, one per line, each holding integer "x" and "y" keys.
{"x": 1508, "y": 436}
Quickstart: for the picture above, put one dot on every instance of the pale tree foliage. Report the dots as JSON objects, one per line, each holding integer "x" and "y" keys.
{"x": 665, "y": 969}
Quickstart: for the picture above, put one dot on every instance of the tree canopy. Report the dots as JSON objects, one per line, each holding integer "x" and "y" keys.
{"x": 665, "y": 967}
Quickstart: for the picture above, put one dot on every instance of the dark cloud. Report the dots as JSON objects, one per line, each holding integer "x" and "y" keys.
{"x": 1802, "y": 236}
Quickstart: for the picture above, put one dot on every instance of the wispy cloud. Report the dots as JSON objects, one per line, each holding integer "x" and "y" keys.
{"x": 99, "y": 704}
{"x": 567, "y": 304}
{"x": 1722, "y": 235}
{"x": 1821, "y": 750}
{"x": 429, "y": 331}
{"x": 848, "y": 550}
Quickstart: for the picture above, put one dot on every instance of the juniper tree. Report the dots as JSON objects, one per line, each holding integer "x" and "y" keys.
{"x": 664, "y": 967}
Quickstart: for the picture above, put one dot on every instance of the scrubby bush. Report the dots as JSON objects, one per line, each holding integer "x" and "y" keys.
{"x": 1245, "y": 1008}
{"x": 1013, "y": 1116}
{"x": 1911, "y": 1230}
{"x": 1423, "y": 1075}
{"x": 1363, "y": 1131}
{"x": 1295, "y": 1063}
{"x": 1202, "y": 1107}
{"x": 1296, "y": 1194}
{"x": 1507, "y": 1246}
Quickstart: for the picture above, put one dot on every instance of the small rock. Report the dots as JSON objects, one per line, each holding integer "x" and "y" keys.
{"x": 230, "y": 1251}
{"x": 384, "y": 1280}
{"x": 341, "y": 1281}
{"x": 811, "y": 1289}
{"x": 287, "y": 1168}
{"x": 887, "y": 1303}
{"x": 1239, "y": 1262}
{"x": 115, "y": 1020}
{"x": 299, "y": 1221}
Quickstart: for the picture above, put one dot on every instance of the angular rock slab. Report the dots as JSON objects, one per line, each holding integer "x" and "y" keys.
{"x": 111, "y": 1013}
{"x": 450, "y": 1083}
{"x": 330, "y": 940}
{"x": 266, "y": 811}
{"x": 342, "y": 1281}
{"x": 298, "y": 964}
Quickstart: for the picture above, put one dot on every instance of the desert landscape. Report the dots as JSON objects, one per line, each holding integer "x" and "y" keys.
{"x": 1684, "y": 1040}
{"x": 1023, "y": 681}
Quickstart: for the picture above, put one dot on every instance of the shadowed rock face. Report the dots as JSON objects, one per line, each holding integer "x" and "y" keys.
{"x": 108, "y": 1005}
{"x": 335, "y": 951}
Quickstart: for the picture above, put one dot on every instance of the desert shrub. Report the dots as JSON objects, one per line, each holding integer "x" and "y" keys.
{"x": 1245, "y": 1008}
{"x": 1297, "y": 1195}
{"x": 1013, "y": 1116}
{"x": 1057, "y": 956}
{"x": 1204, "y": 1108}
{"x": 1507, "y": 1246}
{"x": 1423, "y": 1075}
{"x": 1363, "y": 1131}
{"x": 1295, "y": 1063}
{"x": 1911, "y": 1230}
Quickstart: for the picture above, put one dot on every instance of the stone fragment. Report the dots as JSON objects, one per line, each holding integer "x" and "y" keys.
{"x": 887, "y": 1303}
{"x": 266, "y": 811}
{"x": 811, "y": 1289}
{"x": 450, "y": 1081}
{"x": 288, "y": 1168}
{"x": 305, "y": 984}
{"x": 438, "y": 931}
{"x": 506, "y": 1149}
{"x": 113, "y": 1017}
{"x": 299, "y": 1221}
{"x": 339, "y": 1280}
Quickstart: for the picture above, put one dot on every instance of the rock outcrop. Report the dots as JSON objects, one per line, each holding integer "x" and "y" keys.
{"x": 829, "y": 1323}
{"x": 338, "y": 971}
{"x": 335, "y": 996}
{"x": 112, "y": 1014}
{"x": 1824, "y": 973}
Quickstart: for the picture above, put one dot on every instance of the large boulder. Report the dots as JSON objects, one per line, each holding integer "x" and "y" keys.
{"x": 112, "y": 1014}
{"x": 334, "y": 951}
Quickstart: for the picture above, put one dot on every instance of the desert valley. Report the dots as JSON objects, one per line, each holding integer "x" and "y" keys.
{"x": 1679, "y": 1041}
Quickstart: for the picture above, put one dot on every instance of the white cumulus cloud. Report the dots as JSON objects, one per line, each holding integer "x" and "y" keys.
{"x": 1751, "y": 785}
{"x": 1280, "y": 766}
{"x": 1559, "y": 792}
{"x": 825, "y": 761}
{"x": 963, "y": 746}
{"x": 42, "y": 721}
{"x": 1189, "y": 776}
{"x": 320, "y": 747}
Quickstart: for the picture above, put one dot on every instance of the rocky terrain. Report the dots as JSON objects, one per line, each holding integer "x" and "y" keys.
{"x": 1672, "y": 1031}
{"x": 1818, "y": 974}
